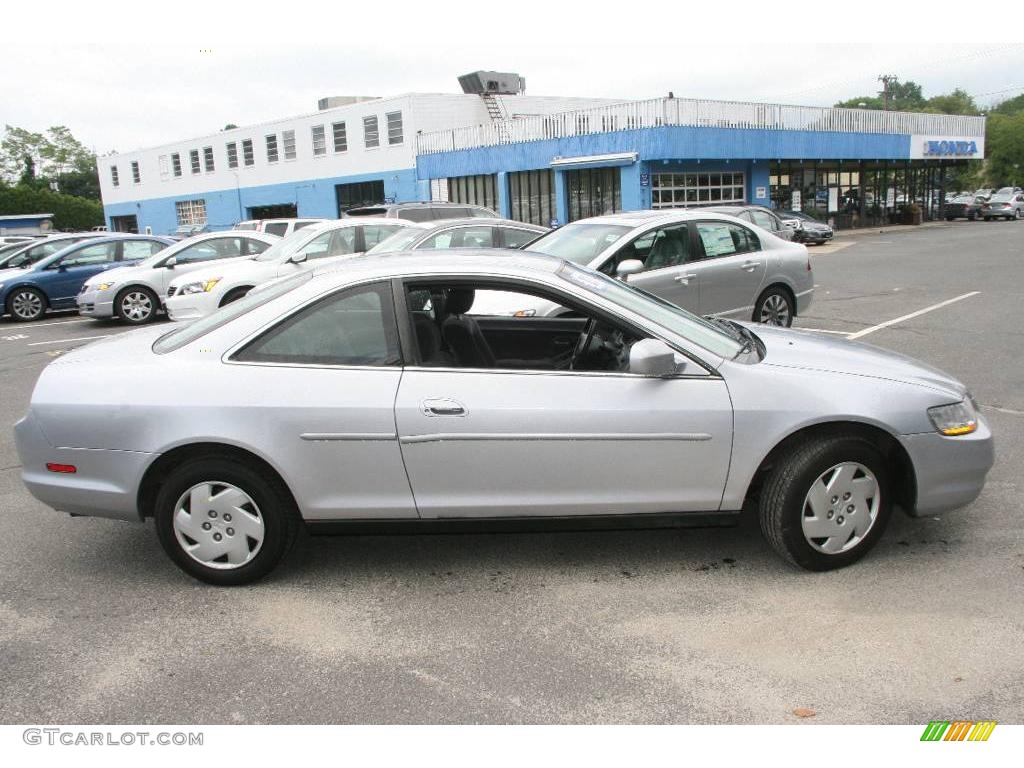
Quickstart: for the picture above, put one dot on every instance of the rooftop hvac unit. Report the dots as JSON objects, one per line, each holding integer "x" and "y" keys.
{"x": 497, "y": 83}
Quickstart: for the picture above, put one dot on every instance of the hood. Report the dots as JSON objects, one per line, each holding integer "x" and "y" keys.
{"x": 128, "y": 346}
{"x": 787, "y": 348}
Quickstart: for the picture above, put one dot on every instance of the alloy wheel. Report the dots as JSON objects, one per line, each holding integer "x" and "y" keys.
{"x": 27, "y": 305}
{"x": 840, "y": 508}
{"x": 775, "y": 311}
{"x": 218, "y": 525}
{"x": 136, "y": 306}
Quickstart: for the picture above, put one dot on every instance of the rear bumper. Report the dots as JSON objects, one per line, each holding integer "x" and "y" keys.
{"x": 105, "y": 484}
{"x": 950, "y": 471}
{"x": 803, "y": 301}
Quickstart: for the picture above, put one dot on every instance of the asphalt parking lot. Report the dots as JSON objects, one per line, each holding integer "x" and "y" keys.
{"x": 687, "y": 626}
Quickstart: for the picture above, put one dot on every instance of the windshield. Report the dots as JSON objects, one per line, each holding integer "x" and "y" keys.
{"x": 188, "y": 333}
{"x": 400, "y": 241}
{"x": 286, "y": 246}
{"x": 675, "y": 319}
{"x": 579, "y": 243}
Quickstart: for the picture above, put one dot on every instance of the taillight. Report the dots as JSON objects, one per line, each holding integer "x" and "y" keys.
{"x": 68, "y": 469}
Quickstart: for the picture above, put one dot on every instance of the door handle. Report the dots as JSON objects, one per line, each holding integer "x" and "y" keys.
{"x": 750, "y": 266}
{"x": 443, "y": 406}
{"x": 684, "y": 279}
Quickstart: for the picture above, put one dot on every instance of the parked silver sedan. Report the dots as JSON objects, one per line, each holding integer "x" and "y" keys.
{"x": 709, "y": 263}
{"x": 370, "y": 392}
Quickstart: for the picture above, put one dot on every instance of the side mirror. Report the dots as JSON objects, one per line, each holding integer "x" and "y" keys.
{"x": 171, "y": 262}
{"x": 298, "y": 258}
{"x": 652, "y": 357}
{"x": 628, "y": 267}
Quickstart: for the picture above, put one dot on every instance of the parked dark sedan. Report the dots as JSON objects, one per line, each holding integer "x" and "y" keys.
{"x": 806, "y": 229}
{"x": 963, "y": 207}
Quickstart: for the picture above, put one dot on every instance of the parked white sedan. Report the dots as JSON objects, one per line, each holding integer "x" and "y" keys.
{"x": 199, "y": 293}
{"x": 133, "y": 293}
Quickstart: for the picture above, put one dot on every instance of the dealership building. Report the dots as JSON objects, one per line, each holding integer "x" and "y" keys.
{"x": 545, "y": 159}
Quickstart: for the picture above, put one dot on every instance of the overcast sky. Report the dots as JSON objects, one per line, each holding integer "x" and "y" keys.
{"x": 115, "y": 96}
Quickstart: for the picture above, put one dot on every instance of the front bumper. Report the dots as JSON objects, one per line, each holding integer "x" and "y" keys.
{"x": 950, "y": 471}
{"x": 96, "y": 303}
{"x": 105, "y": 485}
{"x": 190, "y": 306}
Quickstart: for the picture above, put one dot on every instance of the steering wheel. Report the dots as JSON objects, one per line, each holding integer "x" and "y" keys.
{"x": 584, "y": 344}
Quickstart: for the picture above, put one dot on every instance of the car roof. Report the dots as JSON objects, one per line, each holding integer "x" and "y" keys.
{"x": 480, "y": 221}
{"x": 636, "y": 219}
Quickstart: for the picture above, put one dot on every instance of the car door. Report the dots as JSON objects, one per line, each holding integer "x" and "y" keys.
{"x": 63, "y": 279}
{"x": 322, "y": 383}
{"x": 505, "y": 442}
{"x": 730, "y": 267}
{"x": 667, "y": 255}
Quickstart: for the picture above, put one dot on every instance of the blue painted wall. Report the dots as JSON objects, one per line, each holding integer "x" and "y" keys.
{"x": 225, "y": 207}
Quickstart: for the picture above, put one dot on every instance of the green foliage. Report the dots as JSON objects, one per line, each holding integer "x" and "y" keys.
{"x": 1004, "y": 149}
{"x": 1009, "y": 106}
{"x": 36, "y": 159}
{"x": 959, "y": 102}
{"x": 69, "y": 213}
{"x": 903, "y": 97}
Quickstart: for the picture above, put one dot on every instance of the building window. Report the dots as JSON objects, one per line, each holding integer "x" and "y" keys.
{"x": 272, "y": 148}
{"x": 681, "y": 190}
{"x": 176, "y": 164}
{"x": 232, "y": 154}
{"x": 371, "y": 136}
{"x": 319, "y": 140}
{"x": 532, "y": 194}
{"x": 208, "y": 159}
{"x": 288, "y": 140}
{"x": 165, "y": 169}
{"x": 114, "y": 178}
{"x": 193, "y": 157}
{"x": 136, "y": 176}
{"x": 359, "y": 194}
{"x": 340, "y": 137}
{"x": 190, "y": 212}
{"x": 593, "y": 192}
{"x": 248, "y": 156}
{"x": 394, "y": 127}
{"x": 476, "y": 190}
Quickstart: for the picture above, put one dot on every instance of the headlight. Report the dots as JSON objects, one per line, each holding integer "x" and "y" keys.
{"x": 954, "y": 419}
{"x": 202, "y": 287}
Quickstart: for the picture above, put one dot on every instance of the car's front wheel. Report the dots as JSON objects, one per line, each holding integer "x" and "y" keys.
{"x": 826, "y": 502}
{"x": 223, "y": 522}
{"x": 26, "y": 304}
{"x": 774, "y": 307}
{"x": 136, "y": 305}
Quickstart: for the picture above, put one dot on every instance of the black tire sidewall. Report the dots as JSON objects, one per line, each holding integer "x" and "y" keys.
{"x": 277, "y": 513}
{"x": 42, "y": 299}
{"x": 774, "y": 291}
{"x": 838, "y": 451}
{"x": 135, "y": 289}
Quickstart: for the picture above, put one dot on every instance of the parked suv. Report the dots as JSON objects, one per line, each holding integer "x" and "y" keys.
{"x": 279, "y": 227}
{"x": 423, "y": 212}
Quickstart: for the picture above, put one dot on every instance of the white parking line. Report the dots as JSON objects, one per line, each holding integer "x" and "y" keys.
{"x": 821, "y": 330}
{"x": 912, "y": 315}
{"x": 67, "y": 341}
{"x": 60, "y": 322}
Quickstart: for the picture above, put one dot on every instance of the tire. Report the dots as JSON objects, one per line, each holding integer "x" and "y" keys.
{"x": 234, "y": 295}
{"x": 26, "y": 304}
{"x": 786, "y": 500}
{"x": 136, "y": 305}
{"x": 774, "y": 307}
{"x": 222, "y": 554}
{"x": 988, "y": 218}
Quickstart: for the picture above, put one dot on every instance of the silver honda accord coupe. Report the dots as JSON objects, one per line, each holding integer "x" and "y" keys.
{"x": 370, "y": 392}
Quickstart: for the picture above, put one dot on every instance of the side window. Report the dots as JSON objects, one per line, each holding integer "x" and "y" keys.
{"x": 657, "y": 249}
{"x": 252, "y": 246}
{"x": 765, "y": 220}
{"x": 516, "y": 238}
{"x": 302, "y": 224}
{"x": 343, "y": 242}
{"x": 90, "y": 254}
{"x": 133, "y": 250}
{"x": 219, "y": 248}
{"x": 722, "y": 239}
{"x": 354, "y": 327}
{"x": 374, "y": 233}
{"x": 416, "y": 214}
{"x": 278, "y": 228}
{"x": 320, "y": 246}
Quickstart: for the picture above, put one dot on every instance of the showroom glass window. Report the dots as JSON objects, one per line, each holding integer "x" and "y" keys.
{"x": 358, "y": 194}
{"x": 232, "y": 148}
{"x": 319, "y": 140}
{"x": 593, "y": 192}
{"x": 371, "y": 133}
{"x": 474, "y": 190}
{"x": 532, "y": 195}
{"x": 681, "y": 190}
{"x": 248, "y": 156}
{"x": 353, "y": 327}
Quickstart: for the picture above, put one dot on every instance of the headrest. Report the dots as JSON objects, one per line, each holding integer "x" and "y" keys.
{"x": 459, "y": 301}
{"x": 426, "y": 336}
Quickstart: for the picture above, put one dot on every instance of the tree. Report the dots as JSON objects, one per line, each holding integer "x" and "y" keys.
{"x": 905, "y": 97}
{"x": 959, "y": 102}
{"x": 37, "y": 159}
{"x": 1004, "y": 149}
{"x": 1009, "y": 106}
{"x": 229, "y": 127}
{"x": 20, "y": 151}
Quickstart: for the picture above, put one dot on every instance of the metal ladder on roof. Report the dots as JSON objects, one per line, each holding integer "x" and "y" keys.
{"x": 497, "y": 114}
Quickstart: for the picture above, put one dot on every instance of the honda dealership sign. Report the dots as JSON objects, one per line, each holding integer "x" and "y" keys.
{"x": 947, "y": 147}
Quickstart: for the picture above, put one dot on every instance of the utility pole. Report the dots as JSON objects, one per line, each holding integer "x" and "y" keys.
{"x": 887, "y": 82}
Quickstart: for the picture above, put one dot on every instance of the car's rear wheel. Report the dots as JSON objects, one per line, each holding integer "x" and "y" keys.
{"x": 234, "y": 295}
{"x": 136, "y": 305}
{"x": 26, "y": 304}
{"x": 223, "y": 522}
{"x": 774, "y": 307}
{"x": 826, "y": 502}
